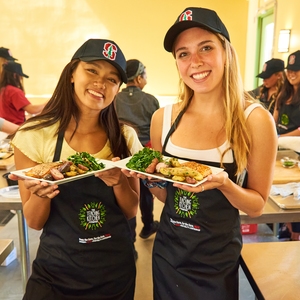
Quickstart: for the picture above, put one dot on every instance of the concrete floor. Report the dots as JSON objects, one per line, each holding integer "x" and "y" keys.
{"x": 10, "y": 276}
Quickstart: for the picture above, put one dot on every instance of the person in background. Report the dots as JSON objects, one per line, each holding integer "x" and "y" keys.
{"x": 197, "y": 247}
{"x": 13, "y": 102}
{"x": 86, "y": 250}
{"x": 5, "y": 56}
{"x": 273, "y": 76}
{"x": 7, "y": 126}
{"x": 135, "y": 107}
{"x": 287, "y": 118}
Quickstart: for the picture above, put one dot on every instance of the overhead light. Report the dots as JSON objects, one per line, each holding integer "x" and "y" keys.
{"x": 284, "y": 40}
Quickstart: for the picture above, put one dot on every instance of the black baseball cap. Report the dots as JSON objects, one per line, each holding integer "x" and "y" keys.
{"x": 294, "y": 61}
{"x": 5, "y": 53}
{"x": 195, "y": 17}
{"x": 270, "y": 67}
{"x": 14, "y": 67}
{"x": 95, "y": 49}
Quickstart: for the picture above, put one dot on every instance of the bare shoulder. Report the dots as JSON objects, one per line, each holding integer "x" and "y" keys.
{"x": 256, "y": 112}
{"x": 261, "y": 124}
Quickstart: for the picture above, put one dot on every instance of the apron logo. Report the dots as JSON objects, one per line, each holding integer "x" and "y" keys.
{"x": 92, "y": 216}
{"x": 285, "y": 119}
{"x": 186, "y": 16}
{"x": 110, "y": 51}
{"x": 186, "y": 203}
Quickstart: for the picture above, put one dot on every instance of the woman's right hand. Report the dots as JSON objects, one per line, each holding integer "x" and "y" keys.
{"x": 40, "y": 188}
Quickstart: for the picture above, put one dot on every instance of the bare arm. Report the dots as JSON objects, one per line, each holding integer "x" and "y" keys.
{"x": 260, "y": 168}
{"x": 36, "y": 209}
{"x": 34, "y": 109}
{"x": 126, "y": 190}
{"x": 7, "y": 126}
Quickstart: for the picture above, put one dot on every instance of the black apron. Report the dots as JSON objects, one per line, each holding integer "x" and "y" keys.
{"x": 197, "y": 247}
{"x": 85, "y": 249}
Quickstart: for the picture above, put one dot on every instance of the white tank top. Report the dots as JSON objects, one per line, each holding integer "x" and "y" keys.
{"x": 205, "y": 155}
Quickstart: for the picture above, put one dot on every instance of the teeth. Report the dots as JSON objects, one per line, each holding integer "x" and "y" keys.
{"x": 95, "y": 93}
{"x": 200, "y": 75}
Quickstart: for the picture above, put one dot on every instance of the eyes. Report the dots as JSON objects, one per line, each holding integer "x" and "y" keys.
{"x": 109, "y": 77}
{"x": 103, "y": 70}
{"x": 185, "y": 52}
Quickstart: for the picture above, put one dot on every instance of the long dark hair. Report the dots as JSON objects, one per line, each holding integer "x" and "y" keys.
{"x": 10, "y": 78}
{"x": 61, "y": 108}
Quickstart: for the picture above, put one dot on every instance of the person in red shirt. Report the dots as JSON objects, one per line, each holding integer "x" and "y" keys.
{"x": 13, "y": 102}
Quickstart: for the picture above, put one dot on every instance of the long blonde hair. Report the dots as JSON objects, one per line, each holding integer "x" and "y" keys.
{"x": 234, "y": 105}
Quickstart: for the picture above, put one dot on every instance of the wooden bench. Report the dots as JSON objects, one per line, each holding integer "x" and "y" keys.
{"x": 273, "y": 269}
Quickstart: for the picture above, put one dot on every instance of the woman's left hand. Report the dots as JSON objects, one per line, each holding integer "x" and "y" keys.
{"x": 111, "y": 177}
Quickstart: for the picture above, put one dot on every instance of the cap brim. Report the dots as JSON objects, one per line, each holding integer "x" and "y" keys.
{"x": 293, "y": 68}
{"x": 264, "y": 75}
{"x": 117, "y": 66}
{"x": 179, "y": 27}
{"x": 24, "y": 75}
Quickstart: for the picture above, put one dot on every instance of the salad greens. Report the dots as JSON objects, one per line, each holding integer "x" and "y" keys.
{"x": 142, "y": 159}
{"x": 87, "y": 160}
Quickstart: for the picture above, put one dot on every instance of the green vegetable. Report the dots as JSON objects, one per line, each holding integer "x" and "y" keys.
{"x": 86, "y": 160}
{"x": 288, "y": 163}
{"x": 142, "y": 159}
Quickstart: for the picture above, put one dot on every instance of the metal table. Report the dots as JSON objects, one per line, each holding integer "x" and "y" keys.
{"x": 16, "y": 204}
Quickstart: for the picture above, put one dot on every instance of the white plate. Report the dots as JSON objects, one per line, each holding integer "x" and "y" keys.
{"x": 10, "y": 192}
{"x": 108, "y": 165}
{"x": 122, "y": 164}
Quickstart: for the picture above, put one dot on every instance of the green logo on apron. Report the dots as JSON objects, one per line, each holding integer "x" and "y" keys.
{"x": 92, "y": 216}
{"x": 186, "y": 203}
{"x": 285, "y": 119}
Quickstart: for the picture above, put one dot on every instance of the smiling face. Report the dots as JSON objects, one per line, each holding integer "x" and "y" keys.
{"x": 200, "y": 59}
{"x": 96, "y": 84}
{"x": 293, "y": 77}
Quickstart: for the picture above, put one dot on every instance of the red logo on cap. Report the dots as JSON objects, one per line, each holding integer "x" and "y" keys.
{"x": 292, "y": 59}
{"x": 186, "y": 16}
{"x": 264, "y": 67}
{"x": 110, "y": 51}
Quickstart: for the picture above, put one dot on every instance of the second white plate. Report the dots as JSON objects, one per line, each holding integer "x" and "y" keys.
{"x": 122, "y": 164}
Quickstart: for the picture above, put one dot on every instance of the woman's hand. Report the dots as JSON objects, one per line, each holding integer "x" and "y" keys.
{"x": 40, "y": 188}
{"x": 111, "y": 177}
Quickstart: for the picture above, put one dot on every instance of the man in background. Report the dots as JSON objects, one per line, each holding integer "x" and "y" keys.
{"x": 135, "y": 108}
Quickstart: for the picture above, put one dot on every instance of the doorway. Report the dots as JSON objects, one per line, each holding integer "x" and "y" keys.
{"x": 265, "y": 41}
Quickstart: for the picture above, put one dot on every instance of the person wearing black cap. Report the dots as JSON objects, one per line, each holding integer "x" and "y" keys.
{"x": 287, "y": 118}
{"x": 86, "y": 250}
{"x": 5, "y": 56}
{"x": 13, "y": 102}
{"x": 273, "y": 76}
{"x": 197, "y": 247}
{"x": 135, "y": 107}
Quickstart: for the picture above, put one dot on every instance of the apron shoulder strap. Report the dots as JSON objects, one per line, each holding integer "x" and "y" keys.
{"x": 58, "y": 147}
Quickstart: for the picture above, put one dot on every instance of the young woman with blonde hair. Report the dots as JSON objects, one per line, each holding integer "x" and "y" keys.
{"x": 197, "y": 246}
